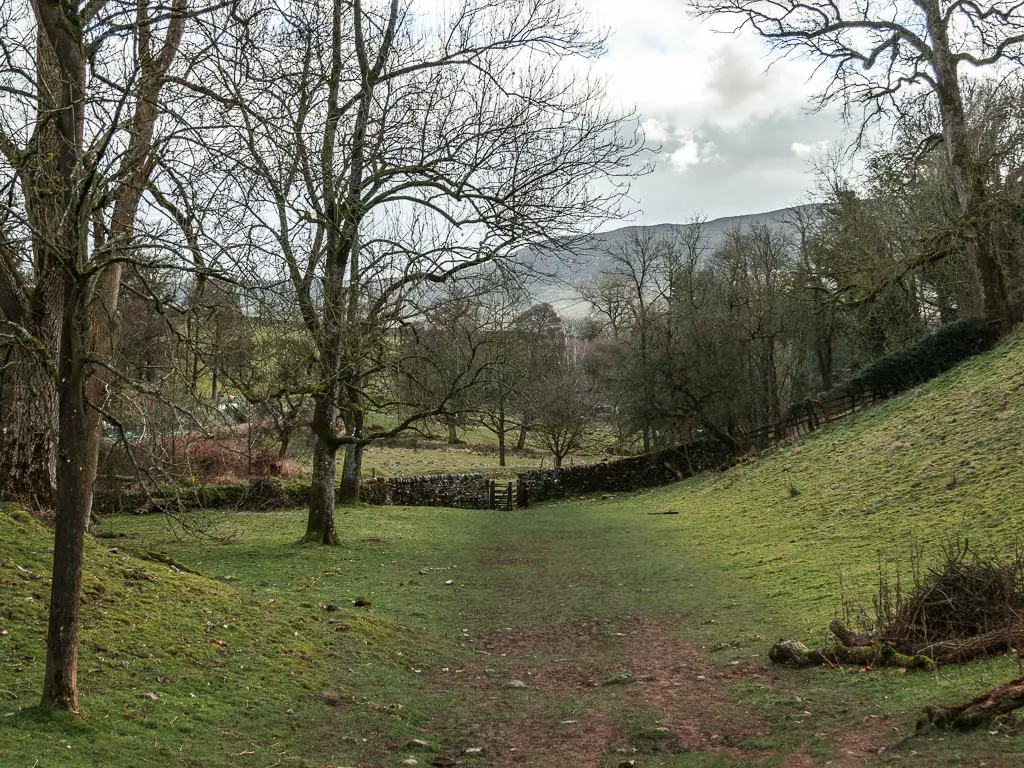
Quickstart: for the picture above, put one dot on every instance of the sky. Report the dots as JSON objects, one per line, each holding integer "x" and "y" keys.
{"x": 735, "y": 134}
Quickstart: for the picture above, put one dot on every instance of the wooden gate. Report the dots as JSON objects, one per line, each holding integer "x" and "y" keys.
{"x": 503, "y": 495}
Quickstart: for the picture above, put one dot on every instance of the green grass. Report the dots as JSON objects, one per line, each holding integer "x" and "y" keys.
{"x": 564, "y": 597}
{"x": 945, "y": 459}
{"x": 414, "y": 455}
{"x": 389, "y": 461}
{"x": 234, "y": 671}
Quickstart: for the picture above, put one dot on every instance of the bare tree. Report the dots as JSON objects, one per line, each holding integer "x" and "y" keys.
{"x": 379, "y": 152}
{"x": 84, "y": 91}
{"x": 876, "y": 50}
{"x": 565, "y": 407}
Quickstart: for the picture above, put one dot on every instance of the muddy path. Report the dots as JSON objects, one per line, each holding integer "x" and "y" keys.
{"x": 576, "y": 653}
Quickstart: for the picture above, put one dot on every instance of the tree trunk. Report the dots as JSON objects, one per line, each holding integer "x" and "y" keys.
{"x": 286, "y": 438}
{"x": 351, "y": 474}
{"x": 968, "y": 178}
{"x": 823, "y": 354}
{"x": 501, "y": 446}
{"x": 521, "y": 442}
{"x": 995, "y": 298}
{"x": 59, "y": 220}
{"x": 352, "y": 470}
{"x": 320, "y": 522}
{"x": 60, "y": 685}
{"x": 103, "y": 342}
{"x": 28, "y": 463}
{"x": 28, "y": 411}
{"x": 136, "y": 165}
{"x": 453, "y": 433}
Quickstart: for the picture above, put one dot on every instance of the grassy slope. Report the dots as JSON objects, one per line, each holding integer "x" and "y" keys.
{"x": 234, "y": 671}
{"x": 741, "y": 563}
{"x": 944, "y": 459}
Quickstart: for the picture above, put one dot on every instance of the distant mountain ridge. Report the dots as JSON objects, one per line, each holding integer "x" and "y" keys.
{"x": 560, "y": 272}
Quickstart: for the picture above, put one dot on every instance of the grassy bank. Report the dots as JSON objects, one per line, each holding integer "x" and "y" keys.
{"x": 586, "y": 632}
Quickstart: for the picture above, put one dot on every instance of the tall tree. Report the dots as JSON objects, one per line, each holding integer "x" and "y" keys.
{"x": 77, "y": 138}
{"x": 380, "y": 152}
{"x": 106, "y": 187}
{"x": 876, "y": 50}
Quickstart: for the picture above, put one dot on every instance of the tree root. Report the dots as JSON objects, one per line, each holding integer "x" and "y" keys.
{"x": 981, "y": 710}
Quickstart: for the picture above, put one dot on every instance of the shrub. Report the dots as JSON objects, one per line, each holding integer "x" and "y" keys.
{"x": 934, "y": 353}
{"x": 968, "y": 605}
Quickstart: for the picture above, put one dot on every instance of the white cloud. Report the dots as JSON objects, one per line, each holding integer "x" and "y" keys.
{"x": 692, "y": 151}
{"x": 655, "y": 131}
{"x": 671, "y": 66}
{"x": 732, "y": 129}
{"x": 805, "y": 151}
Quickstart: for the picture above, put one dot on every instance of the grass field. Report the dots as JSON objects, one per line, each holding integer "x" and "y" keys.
{"x": 412, "y": 455}
{"x": 587, "y": 632}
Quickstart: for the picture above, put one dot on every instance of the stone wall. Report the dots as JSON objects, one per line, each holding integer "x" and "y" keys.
{"x": 468, "y": 491}
{"x": 257, "y": 494}
{"x": 621, "y": 475}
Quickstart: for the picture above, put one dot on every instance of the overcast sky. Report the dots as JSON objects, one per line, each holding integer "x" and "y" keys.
{"x": 735, "y": 138}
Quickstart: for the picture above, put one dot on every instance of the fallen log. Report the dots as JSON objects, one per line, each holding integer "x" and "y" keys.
{"x": 980, "y": 646}
{"x": 981, "y": 710}
{"x": 876, "y": 655}
{"x": 847, "y": 636}
{"x": 160, "y": 557}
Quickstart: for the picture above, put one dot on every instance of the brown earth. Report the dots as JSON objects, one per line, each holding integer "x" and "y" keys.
{"x": 570, "y": 695}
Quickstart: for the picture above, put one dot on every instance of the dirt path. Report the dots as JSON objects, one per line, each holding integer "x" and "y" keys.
{"x": 604, "y": 689}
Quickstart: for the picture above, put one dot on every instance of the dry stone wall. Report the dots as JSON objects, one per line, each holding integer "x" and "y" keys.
{"x": 630, "y": 474}
{"x": 468, "y": 491}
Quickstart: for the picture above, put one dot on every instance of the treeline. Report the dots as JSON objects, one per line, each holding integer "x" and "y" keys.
{"x": 685, "y": 340}
{"x": 688, "y": 341}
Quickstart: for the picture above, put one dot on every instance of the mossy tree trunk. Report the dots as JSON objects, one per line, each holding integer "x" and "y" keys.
{"x": 74, "y": 491}
{"x": 980, "y": 711}
{"x": 352, "y": 471}
{"x": 320, "y": 519}
{"x": 351, "y": 474}
{"x": 28, "y": 411}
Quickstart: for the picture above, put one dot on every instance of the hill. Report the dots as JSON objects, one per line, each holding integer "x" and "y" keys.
{"x": 560, "y": 271}
{"x": 942, "y": 460}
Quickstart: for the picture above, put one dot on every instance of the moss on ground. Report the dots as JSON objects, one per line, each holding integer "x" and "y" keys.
{"x": 175, "y": 668}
